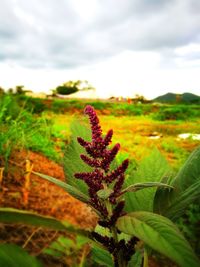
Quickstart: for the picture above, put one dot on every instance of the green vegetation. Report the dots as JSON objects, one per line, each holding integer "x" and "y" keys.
{"x": 178, "y": 112}
{"x": 21, "y": 130}
{"x": 65, "y": 247}
{"x": 152, "y": 198}
{"x": 71, "y": 87}
{"x": 189, "y": 225}
{"x": 158, "y": 196}
{"x": 14, "y": 256}
{"x": 155, "y": 110}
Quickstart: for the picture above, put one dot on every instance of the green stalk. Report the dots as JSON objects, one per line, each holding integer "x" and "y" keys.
{"x": 145, "y": 263}
{"x": 120, "y": 259}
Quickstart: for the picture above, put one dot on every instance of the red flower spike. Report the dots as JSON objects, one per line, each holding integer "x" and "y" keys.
{"x": 94, "y": 121}
{"x": 100, "y": 157}
{"x": 114, "y": 174}
{"x": 108, "y": 138}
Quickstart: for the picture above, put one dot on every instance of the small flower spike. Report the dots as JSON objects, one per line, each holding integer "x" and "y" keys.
{"x": 100, "y": 157}
{"x": 105, "y": 186}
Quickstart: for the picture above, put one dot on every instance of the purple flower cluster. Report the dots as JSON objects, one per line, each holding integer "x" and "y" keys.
{"x": 99, "y": 156}
{"x": 126, "y": 248}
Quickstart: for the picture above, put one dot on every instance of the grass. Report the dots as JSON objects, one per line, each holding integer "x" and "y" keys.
{"x": 133, "y": 133}
{"x": 158, "y": 111}
{"x": 48, "y": 132}
{"x": 133, "y": 125}
{"x": 21, "y": 130}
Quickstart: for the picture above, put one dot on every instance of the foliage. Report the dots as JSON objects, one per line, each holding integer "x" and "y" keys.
{"x": 136, "y": 208}
{"x": 2, "y": 91}
{"x": 10, "y": 120}
{"x": 102, "y": 257}
{"x": 20, "y": 129}
{"x": 172, "y": 203}
{"x": 160, "y": 234}
{"x": 176, "y": 112}
{"x": 71, "y": 87}
{"x": 33, "y": 105}
{"x": 151, "y": 169}
{"x": 9, "y": 108}
{"x": 65, "y": 89}
{"x": 189, "y": 225}
{"x": 19, "y": 90}
{"x": 65, "y": 247}
{"x": 10, "y": 215}
{"x": 10, "y": 252}
{"x": 106, "y": 193}
{"x": 157, "y": 112}
{"x": 129, "y": 109}
{"x": 61, "y": 106}
{"x": 14, "y": 256}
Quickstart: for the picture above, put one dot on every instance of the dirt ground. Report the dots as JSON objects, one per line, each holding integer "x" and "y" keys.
{"x": 42, "y": 197}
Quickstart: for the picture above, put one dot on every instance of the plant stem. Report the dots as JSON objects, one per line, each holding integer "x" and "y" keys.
{"x": 145, "y": 264}
{"x": 120, "y": 259}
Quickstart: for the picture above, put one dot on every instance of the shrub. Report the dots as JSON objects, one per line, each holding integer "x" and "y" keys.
{"x": 176, "y": 113}
{"x": 126, "y": 212}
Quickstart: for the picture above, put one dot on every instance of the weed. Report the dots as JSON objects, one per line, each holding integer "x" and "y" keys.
{"x": 125, "y": 210}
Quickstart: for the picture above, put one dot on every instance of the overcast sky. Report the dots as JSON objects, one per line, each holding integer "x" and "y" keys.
{"x": 122, "y": 47}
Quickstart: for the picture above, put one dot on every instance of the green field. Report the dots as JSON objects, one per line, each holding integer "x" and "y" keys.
{"x": 137, "y": 134}
{"x": 36, "y": 133}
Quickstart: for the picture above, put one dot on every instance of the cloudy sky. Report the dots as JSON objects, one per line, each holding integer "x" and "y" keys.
{"x": 122, "y": 47}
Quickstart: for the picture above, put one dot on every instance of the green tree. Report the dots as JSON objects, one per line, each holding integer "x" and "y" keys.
{"x": 19, "y": 89}
{"x": 10, "y": 91}
{"x": 2, "y": 92}
{"x": 71, "y": 87}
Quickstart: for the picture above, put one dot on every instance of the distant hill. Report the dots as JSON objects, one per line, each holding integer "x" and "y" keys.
{"x": 187, "y": 98}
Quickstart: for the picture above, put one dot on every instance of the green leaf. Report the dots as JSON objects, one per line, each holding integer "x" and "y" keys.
{"x": 72, "y": 160}
{"x": 68, "y": 188}
{"x": 151, "y": 169}
{"x": 172, "y": 203}
{"x": 104, "y": 193}
{"x": 104, "y": 231}
{"x": 10, "y": 215}
{"x": 63, "y": 246}
{"x": 140, "y": 186}
{"x": 189, "y": 173}
{"x": 182, "y": 201}
{"x": 160, "y": 234}
{"x": 13, "y": 256}
{"x": 102, "y": 257}
{"x": 136, "y": 260}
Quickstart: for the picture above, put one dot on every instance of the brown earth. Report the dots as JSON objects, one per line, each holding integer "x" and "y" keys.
{"x": 43, "y": 198}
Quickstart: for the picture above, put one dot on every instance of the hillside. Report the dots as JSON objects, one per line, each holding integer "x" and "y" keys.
{"x": 178, "y": 98}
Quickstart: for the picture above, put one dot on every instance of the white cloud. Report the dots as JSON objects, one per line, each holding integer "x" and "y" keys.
{"x": 86, "y": 9}
{"x": 124, "y": 75}
{"x": 188, "y": 49}
{"x": 120, "y": 46}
